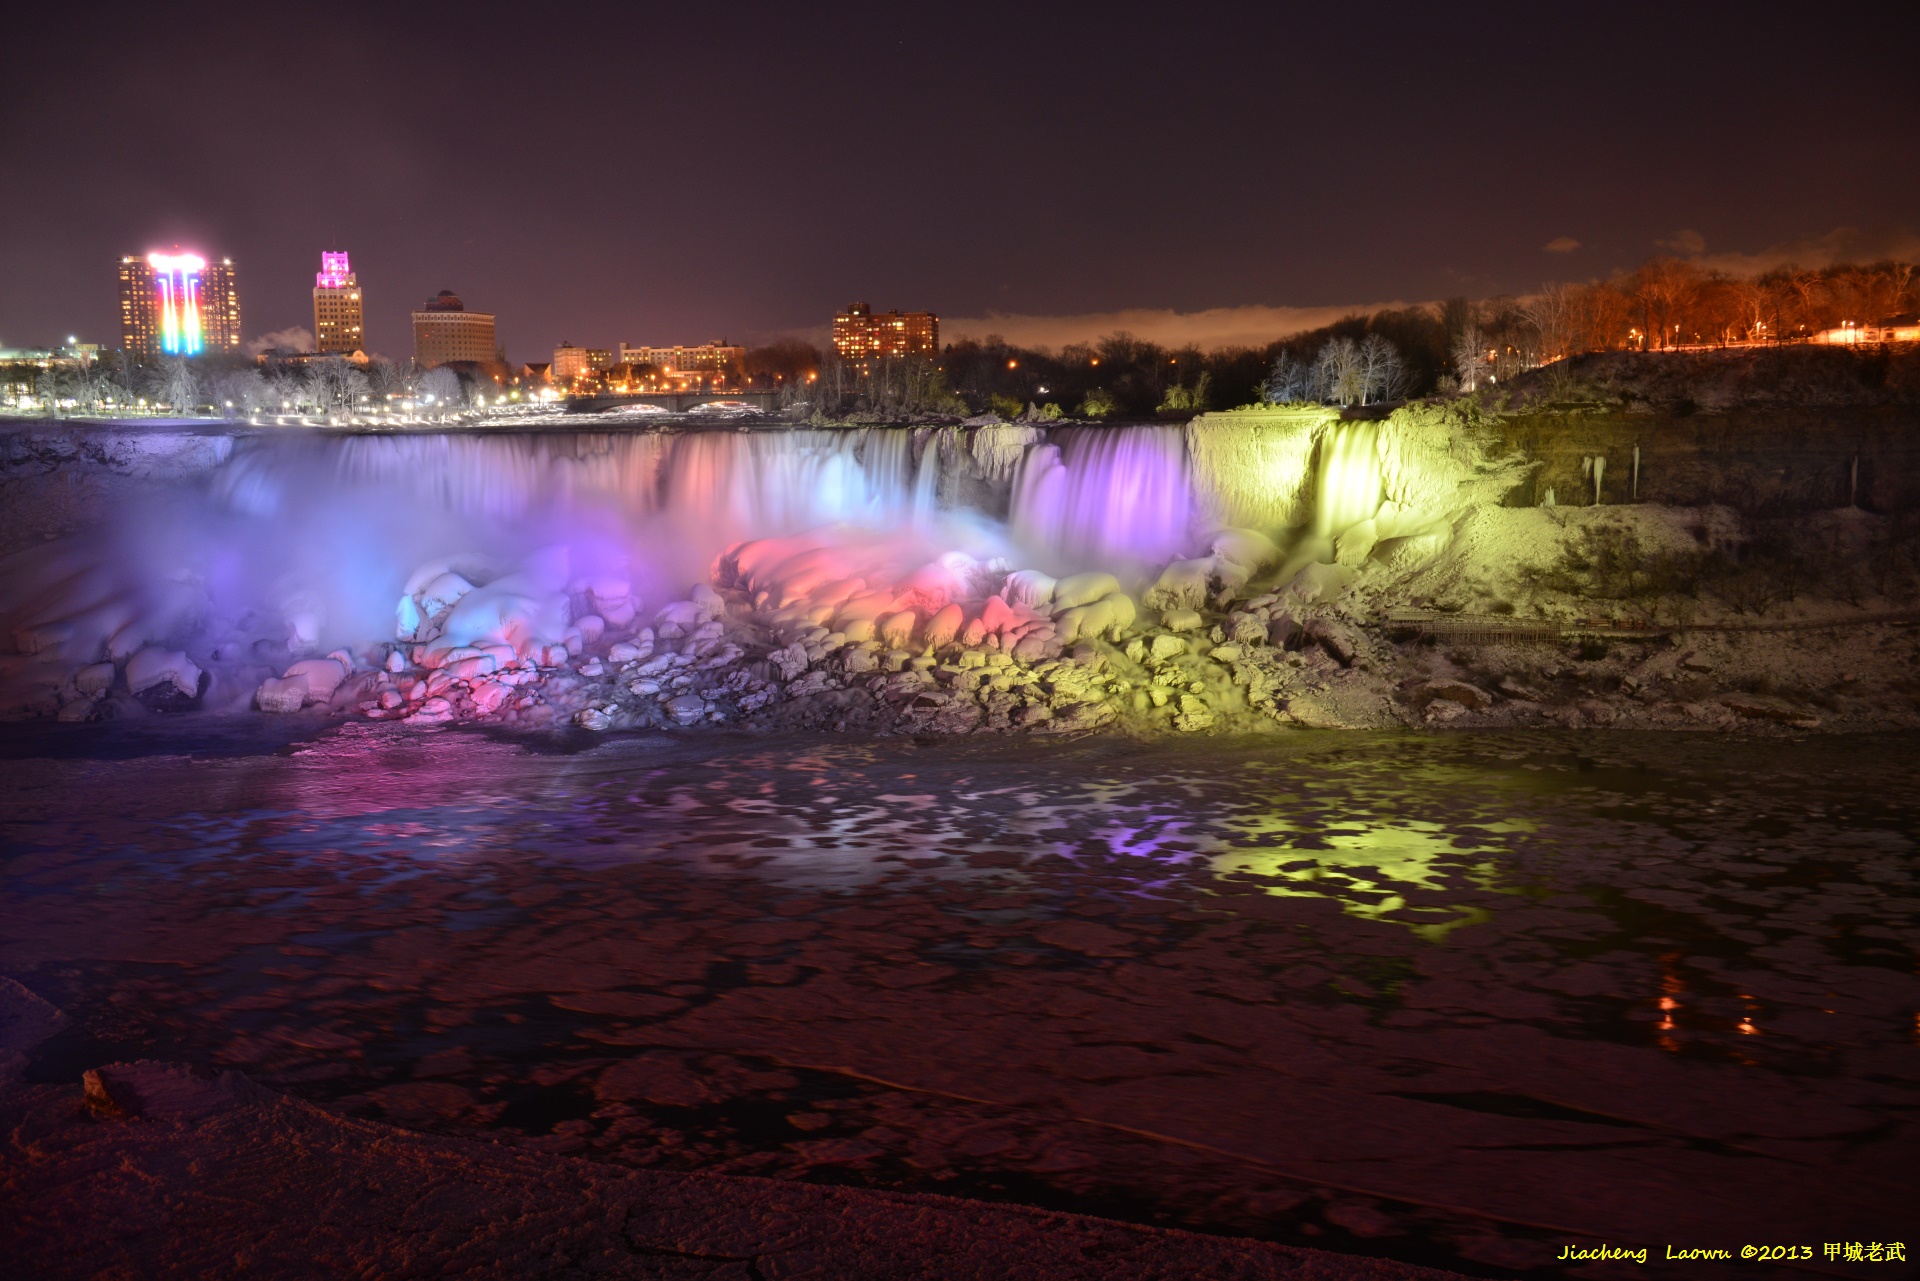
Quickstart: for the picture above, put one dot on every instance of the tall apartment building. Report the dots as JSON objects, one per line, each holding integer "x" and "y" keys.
{"x": 858, "y": 334}
{"x": 338, "y": 325}
{"x": 570, "y": 362}
{"x": 446, "y": 331}
{"x": 710, "y": 358}
{"x": 177, "y": 304}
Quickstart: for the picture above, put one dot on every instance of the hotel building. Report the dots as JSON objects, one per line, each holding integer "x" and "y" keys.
{"x": 337, "y": 309}
{"x": 711, "y": 361}
{"x": 860, "y": 335}
{"x": 446, "y": 331}
{"x": 177, "y": 304}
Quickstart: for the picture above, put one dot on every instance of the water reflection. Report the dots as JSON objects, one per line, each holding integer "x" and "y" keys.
{"x": 1188, "y": 982}
{"x": 1370, "y": 868}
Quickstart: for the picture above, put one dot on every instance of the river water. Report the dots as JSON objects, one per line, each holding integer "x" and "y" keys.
{"x": 1457, "y": 999}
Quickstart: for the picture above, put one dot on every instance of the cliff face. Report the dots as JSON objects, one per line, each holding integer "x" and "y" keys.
{"x": 1759, "y": 460}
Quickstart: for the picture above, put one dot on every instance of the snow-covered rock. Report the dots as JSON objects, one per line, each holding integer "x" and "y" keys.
{"x": 1165, "y": 647}
{"x": 281, "y": 695}
{"x": 155, "y": 666}
{"x": 435, "y": 711}
{"x": 95, "y": 679}
{"x": 321, "y": 676}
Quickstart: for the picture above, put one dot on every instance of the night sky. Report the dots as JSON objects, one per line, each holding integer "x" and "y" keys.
{"x": 638, "y": 173}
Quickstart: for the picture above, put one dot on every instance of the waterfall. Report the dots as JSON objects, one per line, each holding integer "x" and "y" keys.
{"x": 1114, "y": 498}
{"x": 328, "y": 529}
{"x": 1347, "y": 483}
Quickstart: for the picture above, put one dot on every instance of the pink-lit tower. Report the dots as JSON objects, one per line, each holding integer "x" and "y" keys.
{"x": 337, "y": 309}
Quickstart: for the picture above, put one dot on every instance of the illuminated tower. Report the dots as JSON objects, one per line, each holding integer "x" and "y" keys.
{"x": 177, "y": 304}
{"x": 337, "y": 307}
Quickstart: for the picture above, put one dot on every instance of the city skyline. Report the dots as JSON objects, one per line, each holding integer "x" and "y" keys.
{"x": 1291, "y": 161}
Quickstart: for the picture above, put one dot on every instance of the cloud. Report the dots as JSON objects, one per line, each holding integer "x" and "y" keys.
{"x": 292, "y": 338}
{"x": 1214, "y": 327}
{"x": 1561, "y": 245}
{"x": 1684, "y": 241}
{"x": 1842, "y": 244}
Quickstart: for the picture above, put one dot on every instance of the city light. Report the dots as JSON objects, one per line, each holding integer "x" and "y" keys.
{"x": 176, "y": 296}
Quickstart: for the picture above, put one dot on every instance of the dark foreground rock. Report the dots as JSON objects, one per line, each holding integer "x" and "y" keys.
{"x": 149, "y": 1170}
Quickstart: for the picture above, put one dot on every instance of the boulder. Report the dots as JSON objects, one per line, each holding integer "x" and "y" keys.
{"x": 1180, "y": 620}
{"x": 321, "y": 675}
{"x": 896, "y": 629}
{"x": 155, "y": 666}
{"x": 1336, "y": 638}
{"x": 1763, "y": 708}
{"x": 1466, "y": 695}
{"x": 281, "y": 695}
{"x": 944, "y": 627}
{"x": 1181, "y": 585}
{"x": 1083, "y": 589}
{"x": 1029, "y": 587}
{"x": 489, "y": 696}
{"x": 687, "y": 708}
{"x": 95, "y": 679}
{"x": 1165, "y": 647}
{"x": 435, "y": 711}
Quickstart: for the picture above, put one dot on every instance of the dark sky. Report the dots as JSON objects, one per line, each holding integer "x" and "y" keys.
{"x": 673, "y": 173}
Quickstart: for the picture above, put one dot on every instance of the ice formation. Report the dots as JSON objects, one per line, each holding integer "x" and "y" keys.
{"x": 448, "y": 573}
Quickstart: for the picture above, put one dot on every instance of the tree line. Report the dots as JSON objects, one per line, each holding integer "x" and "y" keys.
{"x": 118, "y": 384}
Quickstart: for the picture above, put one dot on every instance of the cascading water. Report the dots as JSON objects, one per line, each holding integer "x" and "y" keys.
{"x": 305, "y": 541}
{"x": 1117, "y": 498}
{"x": 1348, "y": 485}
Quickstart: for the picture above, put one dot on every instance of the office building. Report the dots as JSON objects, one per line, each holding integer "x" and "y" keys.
{"x": 177, "y": 304}
{"x": 338, "y": 324}
{"x": 858, "y": 334}
{"x": 445, "y": 331}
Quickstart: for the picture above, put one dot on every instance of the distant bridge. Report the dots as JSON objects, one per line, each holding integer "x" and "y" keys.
{"x": 674, "y": 402}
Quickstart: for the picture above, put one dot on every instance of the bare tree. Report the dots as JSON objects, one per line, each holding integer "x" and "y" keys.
{"x": 1287, "y": 381}
{"x": 1552, "y": 313}
{"x": 1338, "y": 374}
{"x": 440, "y": 390}
{"x": 175, "y": 385}
{"x": 1383, "y": 375}
{"x": 1471, "y": 360}
{"x": 51, "y": 387}
{"x": 240, "y": 392}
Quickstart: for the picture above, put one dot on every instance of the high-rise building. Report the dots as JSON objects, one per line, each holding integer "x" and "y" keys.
{"x": 446, "y": 331}
{"x": 858, "y": 334}
{"x": 337, "y": 310}
{"x": 177, "y": 304}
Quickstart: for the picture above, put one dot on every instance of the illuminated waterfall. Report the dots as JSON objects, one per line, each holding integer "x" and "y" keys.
{"x": 1116, "y": 498}
{"x": 328, "y": 529}
{"x": 1348, "y": 488}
